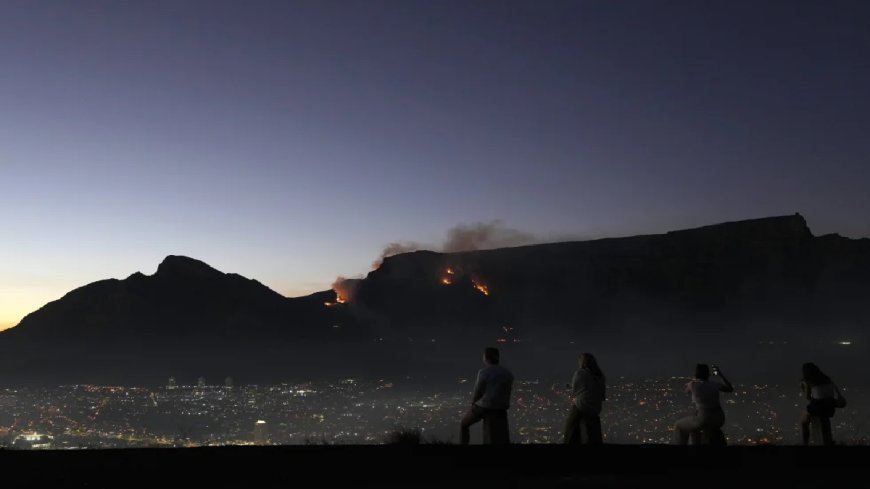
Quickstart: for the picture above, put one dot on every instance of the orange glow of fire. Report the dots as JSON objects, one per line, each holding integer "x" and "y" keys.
{"x": 447, "y": 278}
{"x": 338, "y": 300}
{"x": 483, "y": 289}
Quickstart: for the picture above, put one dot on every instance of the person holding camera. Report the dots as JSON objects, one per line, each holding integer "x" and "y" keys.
{"x": 708, "y": 410}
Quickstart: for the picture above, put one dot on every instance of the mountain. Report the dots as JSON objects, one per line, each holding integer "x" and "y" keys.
{"x": 739, "y": 291}
{"x": 187, "y": 318}
{"x": 185, "y": 301}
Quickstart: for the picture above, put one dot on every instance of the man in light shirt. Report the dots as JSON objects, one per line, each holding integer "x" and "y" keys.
{"x": 490, "y": 401}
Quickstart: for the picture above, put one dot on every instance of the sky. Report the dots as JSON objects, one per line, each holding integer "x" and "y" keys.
{"x": 290, "y": 141}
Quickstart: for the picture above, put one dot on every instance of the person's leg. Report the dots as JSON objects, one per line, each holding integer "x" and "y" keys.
{"x": 827, "y": 437}
{"x": 474, "y": 415}
{"x": 685, "y": 427}
{"x": 711, "y": 423}
{"x": 805, "y": 428}
{"x": 495, "y": 427}
{"x": 504, "y": 429}
{"x": 572, "y": 427}
{"x": 593, "y": 429}
{"x": 717, "y": 437}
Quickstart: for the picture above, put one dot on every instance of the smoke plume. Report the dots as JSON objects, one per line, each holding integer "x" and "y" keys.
{"x": 344, "y": 288}
{"x": 395, "y": 248}
{"x": 462, "y": 237}
{"x": 465, "y": 237}
{"x": 484, "y": 236}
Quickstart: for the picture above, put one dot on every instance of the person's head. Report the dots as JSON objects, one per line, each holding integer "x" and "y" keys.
{"x": 588, "y": 362}
{"x": 813, "y": 375}
{"x": 491, "y": 356}
{"x": 702, "y": 371}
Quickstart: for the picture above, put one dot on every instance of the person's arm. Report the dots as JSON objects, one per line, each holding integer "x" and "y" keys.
{"x": 575, "y": 382}
{"x": 806, "y": 391}
{"x": 726, "y": 386}
{"x": 479, "y": 387}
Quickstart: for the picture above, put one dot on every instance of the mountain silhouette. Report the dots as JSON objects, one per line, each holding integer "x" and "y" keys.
{"x": 646, "y": 302}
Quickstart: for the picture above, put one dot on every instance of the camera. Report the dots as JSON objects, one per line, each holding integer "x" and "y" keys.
{"x": 715, "y": 370}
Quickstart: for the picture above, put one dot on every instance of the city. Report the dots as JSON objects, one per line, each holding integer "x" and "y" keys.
{"x": 358, "y": 411}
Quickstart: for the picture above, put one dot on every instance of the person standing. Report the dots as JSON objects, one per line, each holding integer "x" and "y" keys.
{"x": 708, "y": 410}
{"x": 823, "y": 395}
{"x": 490, "y": 400}
{"x": 587, "y": 395}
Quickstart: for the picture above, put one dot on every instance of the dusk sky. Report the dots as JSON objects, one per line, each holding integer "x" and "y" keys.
{"x": 290, "y": 141}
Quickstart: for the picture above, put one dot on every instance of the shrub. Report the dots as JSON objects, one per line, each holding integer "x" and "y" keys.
{"x": 404, "y": 436}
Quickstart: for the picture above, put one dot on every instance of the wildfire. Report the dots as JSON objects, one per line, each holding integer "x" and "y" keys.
{"x": 450, "y": 274}
{"x": 343, "y": 289}
{"x": 338, "y": 300}
{"x": 447, "y": 279}
{"x": 482, "y": 288}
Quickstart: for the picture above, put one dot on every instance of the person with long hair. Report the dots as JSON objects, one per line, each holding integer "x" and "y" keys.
{"x": 822, "y": 393}
{"x": 587, "y": 396}
{"x": 708, "y": 409}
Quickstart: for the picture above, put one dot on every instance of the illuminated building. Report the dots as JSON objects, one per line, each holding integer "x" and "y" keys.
{"x": 33, "y": 441}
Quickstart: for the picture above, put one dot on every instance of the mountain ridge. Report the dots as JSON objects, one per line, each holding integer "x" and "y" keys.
{"x": 723, "y": 284}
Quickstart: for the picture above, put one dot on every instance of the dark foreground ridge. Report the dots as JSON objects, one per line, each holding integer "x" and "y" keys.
{"x": 443, "y": 466}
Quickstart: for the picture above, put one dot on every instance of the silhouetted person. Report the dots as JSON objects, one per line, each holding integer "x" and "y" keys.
{"x": 490, "y": 401}
{"x": 822, "y": 393}
{"x": 708, "y": 411}
{"x": 587, "y": 393}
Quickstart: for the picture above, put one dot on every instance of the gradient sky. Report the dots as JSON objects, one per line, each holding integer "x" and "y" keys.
{"x": 289, "y": 141}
